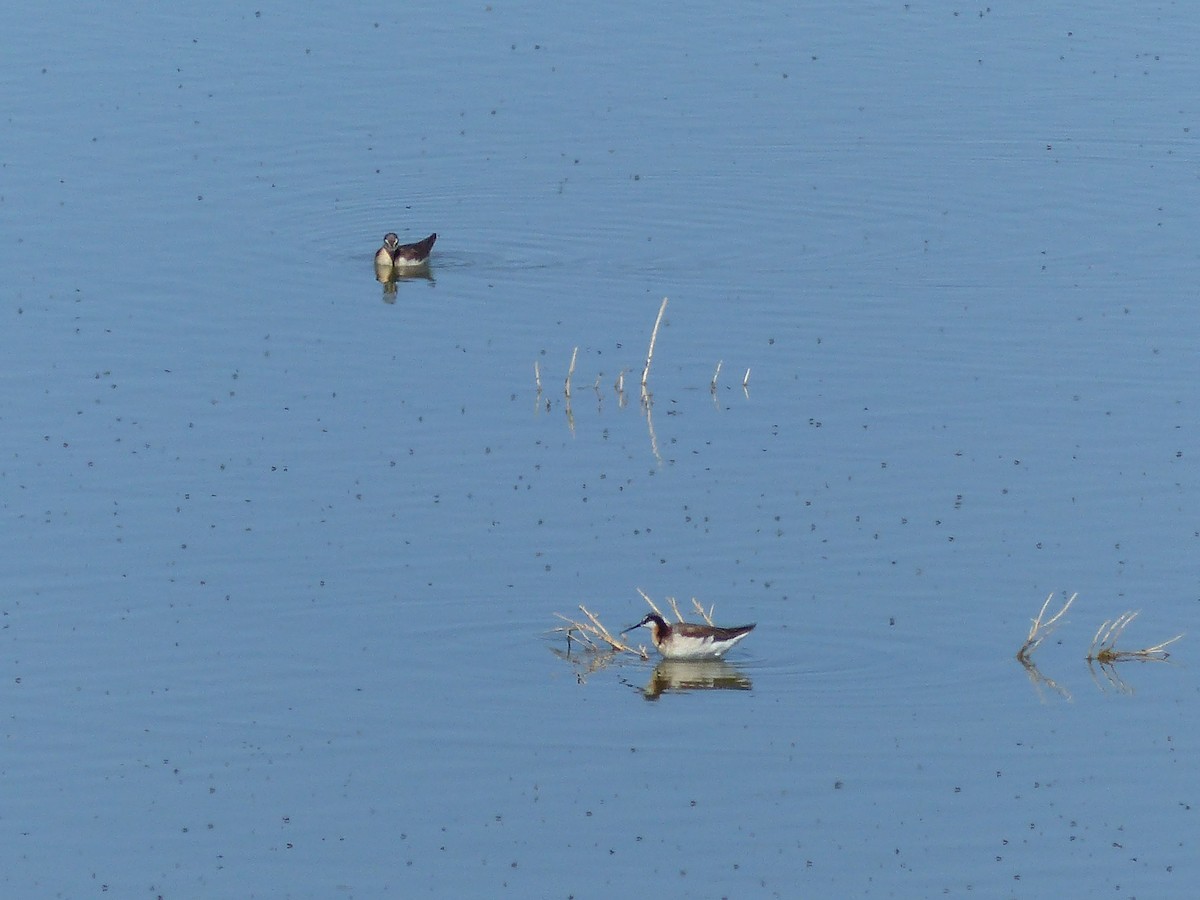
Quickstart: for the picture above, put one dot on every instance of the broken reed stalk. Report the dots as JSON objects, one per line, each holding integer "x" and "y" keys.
{"x": 576, "y": 631}
{"x": 600, "y": 629}
{"x": 746, "y": 380}
{"x": 570, "y": 372}
{"x": 675, "y": 609}
{"x": 537, "y": 376}
{"x": 1040, "y": 630}
{"x": 653, "y": 337}
{"x": 706, "y": 615}
{"x": 646, "y": 597}
{"x": 593, "y": 633}
{"x": 713, "y": 386}
{"x": 1104, "y": 644}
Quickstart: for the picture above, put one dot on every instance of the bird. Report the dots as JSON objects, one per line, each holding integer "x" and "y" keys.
{"x": 403, "y": 256}
{"x": 685, "y": 640}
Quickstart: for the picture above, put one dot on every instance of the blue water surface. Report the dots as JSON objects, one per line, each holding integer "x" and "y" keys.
{"x": 286, "y": 545}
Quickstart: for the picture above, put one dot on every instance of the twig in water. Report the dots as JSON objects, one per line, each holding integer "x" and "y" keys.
{"x": 706, "y": 615}
{"x": 713, "y": 387}
{"x": 653, "y": 337}
{"x": 576, "y": 632}
{"x": 746, "y": 380}
{"x": 675, "y": 609}
{"x": 537, "y": 376}
{"x": 570, "y": 372}
{"x": 592, "y": 633}
{"x": 646, "y": 597}
{"x": 1104, "y": 644}
{"x": 1040, "y": 630}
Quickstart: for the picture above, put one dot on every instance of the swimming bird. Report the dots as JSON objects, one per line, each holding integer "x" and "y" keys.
{"x": 685, "y": 640}
{"x": 401, "y": 256}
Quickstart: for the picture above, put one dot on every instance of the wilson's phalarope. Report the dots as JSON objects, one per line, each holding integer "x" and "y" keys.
{"x": 684, "y": 640}
{"x": 402, "y": 256}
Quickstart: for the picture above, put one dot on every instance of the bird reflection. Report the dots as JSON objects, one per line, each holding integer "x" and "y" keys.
{"x": 390, "y": 277}
{"x": 685, "y": 676}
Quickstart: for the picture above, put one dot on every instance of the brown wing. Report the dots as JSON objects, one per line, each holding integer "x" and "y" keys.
{"x": 419, "y": 250}
{"x": 688, "y": 629}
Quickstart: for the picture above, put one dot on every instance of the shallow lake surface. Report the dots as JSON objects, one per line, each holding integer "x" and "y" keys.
{"x": 285, "y": 545}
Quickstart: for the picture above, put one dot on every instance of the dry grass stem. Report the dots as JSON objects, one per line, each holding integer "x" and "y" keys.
{"x": 1104, "y": 644}
{"x": 675, "y": 609}
{"x": 713, "y": 386}
{"x": 600, "y": 629}
{"x": 1040, "y": 630}
{"x": 704, "y": 614}
{"x": 570, "y": 372}
{"x": 653, "y": 337}
{"x": 537, "y": 376}
{"x": 646, "y": 597}
{"x": 746, "y": 379}
{"x": 576, "y": 631}
{"x": 592, "y": 634}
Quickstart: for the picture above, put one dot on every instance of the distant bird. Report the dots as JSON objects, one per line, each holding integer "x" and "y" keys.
{"x": 404, "y": 256}
{"x": 685, "y": 640}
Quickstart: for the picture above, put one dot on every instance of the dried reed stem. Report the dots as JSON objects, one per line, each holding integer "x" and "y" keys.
{"x": 600, "y": 629}
{"x": 1040, "y": 630}
{"x": 577, "y": 632}
{"x": 570, "y": 372}
{"x": 593, "y": 632}
{"x": 1104, "y": 644}
{"x": 675, "y": 609}
{"x": 713, "y": 386}
{"x": 706, "y": 616}
{"x": 646, "y": 597}
{"x": 653, "y": 337}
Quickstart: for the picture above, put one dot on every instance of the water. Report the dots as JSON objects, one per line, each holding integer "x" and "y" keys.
{"x": 285, "y": 547}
